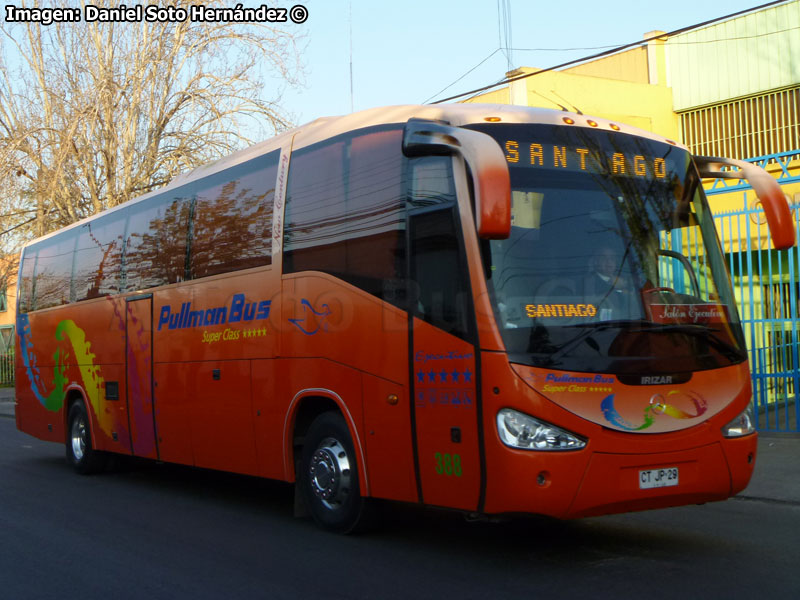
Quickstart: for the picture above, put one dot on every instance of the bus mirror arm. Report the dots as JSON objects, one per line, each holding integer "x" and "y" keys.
{"x": 776, "y": 209}
{"x": 487, "y": 164}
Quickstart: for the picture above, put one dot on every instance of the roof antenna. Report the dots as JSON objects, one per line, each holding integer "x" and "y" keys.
{"x": 574, "y": 108}
{"x": 351, "y": 55}
{"x": 564, "y": 108}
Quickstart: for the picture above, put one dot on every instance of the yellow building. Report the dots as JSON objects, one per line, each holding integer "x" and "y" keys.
{"x": 8, "y": 302}
{"x": 619, "y": 88}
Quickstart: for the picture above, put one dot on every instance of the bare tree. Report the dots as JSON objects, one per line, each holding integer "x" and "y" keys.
{"x": 93, "y": 114}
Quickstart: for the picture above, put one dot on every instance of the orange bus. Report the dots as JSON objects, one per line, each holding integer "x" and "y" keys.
{"x": 493, "y": 309}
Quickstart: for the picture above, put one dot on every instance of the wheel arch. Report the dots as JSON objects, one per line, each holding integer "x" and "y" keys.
{"x": 306, "y": 406}
{"x": 74, "y": 395}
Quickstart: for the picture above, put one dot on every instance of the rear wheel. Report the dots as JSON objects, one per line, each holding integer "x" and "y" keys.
{"x": 329, "y": 475}
{"x": 80, "y": 454}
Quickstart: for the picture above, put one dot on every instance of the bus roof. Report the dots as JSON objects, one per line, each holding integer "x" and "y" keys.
{"x": 327, "y": 127}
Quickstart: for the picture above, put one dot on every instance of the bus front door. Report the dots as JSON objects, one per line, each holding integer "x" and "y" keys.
{"x": 139, "y": 370}
{"x": 444, "y": 368}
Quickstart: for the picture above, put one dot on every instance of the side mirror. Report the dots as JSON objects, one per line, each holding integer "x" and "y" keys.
{"x": 490, "y": 176}
{"x": 776, "y": 209}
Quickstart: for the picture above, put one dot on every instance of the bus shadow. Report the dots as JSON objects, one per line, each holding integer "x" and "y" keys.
{"x": 654, "y": 536}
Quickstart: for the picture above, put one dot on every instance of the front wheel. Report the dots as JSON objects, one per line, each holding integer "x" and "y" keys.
{"x": 80, "y": 454}
{"x": 329, "y": 475}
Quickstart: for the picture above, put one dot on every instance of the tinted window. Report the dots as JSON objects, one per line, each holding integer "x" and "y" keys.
{"x": 431, "y": 181}
{"x": 345, "y": 210}
{"x": 155, "y": 253}
{"x": 98, "y": 257}
{"x": 438, "y": 273}
{"x": 315, "y": 223}
{"x": 232, "y": 226}
{"x": 25, "y": 291}
{"x": 221, "y": 223}
{"x": 53, "y": 272}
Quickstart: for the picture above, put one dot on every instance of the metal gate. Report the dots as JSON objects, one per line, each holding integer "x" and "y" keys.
{"x": 766, "y": 287}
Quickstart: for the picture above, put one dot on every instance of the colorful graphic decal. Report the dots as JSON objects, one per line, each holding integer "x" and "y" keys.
{"x": 139, "y": 377}
{"x": 641, "y": 403}
{"x": 83, "y": 358}
{"x": 313, "y": 320}
{"x": 444, "y": 379}
{"x": 55, "y": 399}
{"x": 658, "y": 406}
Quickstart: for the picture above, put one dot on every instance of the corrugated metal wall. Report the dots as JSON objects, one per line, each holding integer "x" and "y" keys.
{"x": 741, "y": 57}
{"x": 756, "y": 126}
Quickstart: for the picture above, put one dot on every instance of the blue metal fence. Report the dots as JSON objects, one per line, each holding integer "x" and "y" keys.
{"x": 766, "y": 286}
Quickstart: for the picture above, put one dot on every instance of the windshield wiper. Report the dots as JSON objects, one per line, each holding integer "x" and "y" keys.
{"x": 731, "y": 351}
{"x": 586, "y": 334}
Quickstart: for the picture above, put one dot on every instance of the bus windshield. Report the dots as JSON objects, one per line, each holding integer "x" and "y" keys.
{"x": 613, "y": 264}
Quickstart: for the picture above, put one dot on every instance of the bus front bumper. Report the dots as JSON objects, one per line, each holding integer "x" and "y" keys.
{"x": 616, "y": 483}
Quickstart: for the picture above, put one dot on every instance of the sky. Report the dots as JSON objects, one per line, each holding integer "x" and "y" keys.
{"x": 409, "y": 51}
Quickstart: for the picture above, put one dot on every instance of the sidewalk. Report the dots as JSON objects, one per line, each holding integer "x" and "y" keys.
{"x": 777, "y": 474}
{"x": 6, "y": 402}
{"x": 776, "y": 478}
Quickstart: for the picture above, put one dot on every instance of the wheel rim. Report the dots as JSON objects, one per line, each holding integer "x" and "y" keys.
{"x": 78, "y": 435}
{"x": 330, "y": 473}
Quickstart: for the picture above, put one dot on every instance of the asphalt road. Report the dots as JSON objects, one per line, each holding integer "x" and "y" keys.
{"x": 159, "y": 531}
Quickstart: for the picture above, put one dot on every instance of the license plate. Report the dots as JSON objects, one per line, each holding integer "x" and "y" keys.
{"x": 657, "y": 478}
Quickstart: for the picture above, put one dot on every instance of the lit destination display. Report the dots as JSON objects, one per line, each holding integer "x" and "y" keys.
{"x": 560, "y": 310}
{"x": 582, "y": 159}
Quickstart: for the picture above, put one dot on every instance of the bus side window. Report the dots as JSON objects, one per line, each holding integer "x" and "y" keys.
{"x": 52, "y": 284}
{"x": 26, "y": 287}
{"x": 98, "y": 257}
{"x": 232, "y": 219}
{"x": 345, "y": 211}
{"x": 314, "y": 235}
{"x": 441, "y": 293}
{"x": 431, "y": 181}
{"x": 156, "y": 241}
{"x": 376, "y": 213}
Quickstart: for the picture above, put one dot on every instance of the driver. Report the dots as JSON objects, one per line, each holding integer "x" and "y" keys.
{"x": 607, "y": 286}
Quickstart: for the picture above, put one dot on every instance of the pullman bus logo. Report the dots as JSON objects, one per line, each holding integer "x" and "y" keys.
{"x": 240, "y": 310}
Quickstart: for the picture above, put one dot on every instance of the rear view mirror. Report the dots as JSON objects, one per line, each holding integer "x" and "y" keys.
{"x": 490, "y": 176}
{"x": 776, "y": 209}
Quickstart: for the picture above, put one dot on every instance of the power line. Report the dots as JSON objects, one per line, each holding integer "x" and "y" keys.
{"x": 18, "y": 226}
{"x": 715, "y": 41}
{"x": 18, "y": 213}
{"x": 609, "y": 52}
{"x": 464, "y": 75}
{"x": 563, "y": 49}
{"x": 733, "y": 39}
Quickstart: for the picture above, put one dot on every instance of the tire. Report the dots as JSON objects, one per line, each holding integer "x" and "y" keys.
{"x": 80, "y": 454}
{"x": 328, "y": 476}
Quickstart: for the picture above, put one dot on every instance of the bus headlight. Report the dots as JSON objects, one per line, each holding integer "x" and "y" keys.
{"x": 519, "y": 430}
{"x": 744, "y": 424}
